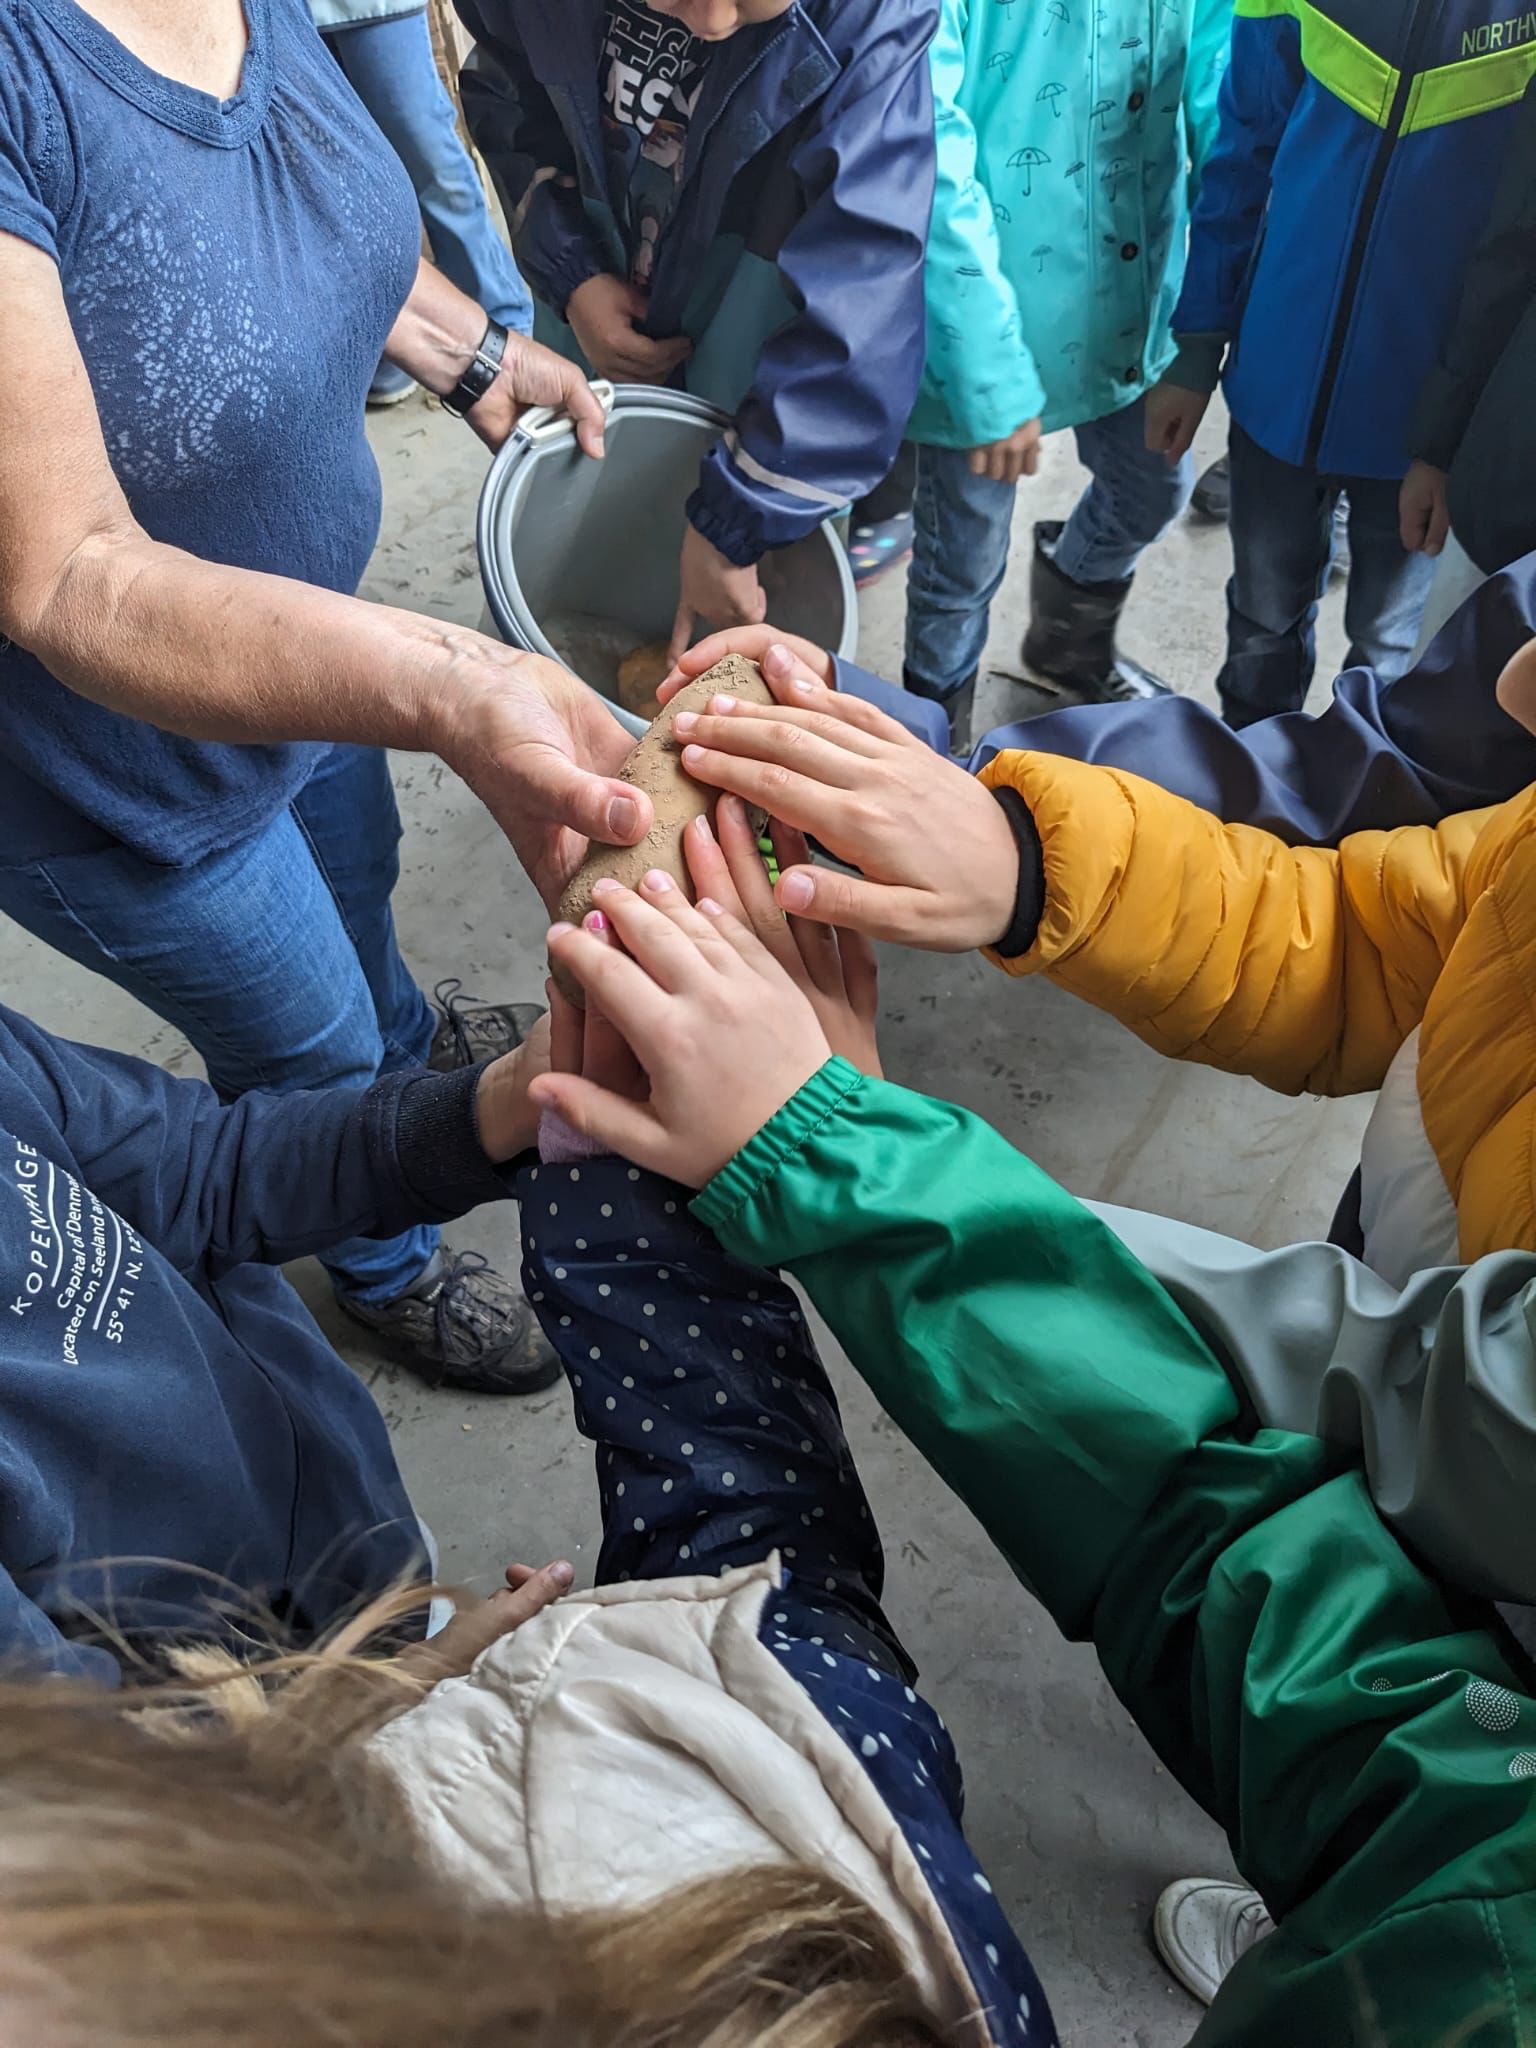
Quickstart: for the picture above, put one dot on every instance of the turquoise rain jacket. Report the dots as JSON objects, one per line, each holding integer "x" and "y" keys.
{"x": 1071, "y": 135}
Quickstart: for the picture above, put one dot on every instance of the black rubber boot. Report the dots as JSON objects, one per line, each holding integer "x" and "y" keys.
{"x": 958, "y": 703}
{"x": 1071, "y": 637}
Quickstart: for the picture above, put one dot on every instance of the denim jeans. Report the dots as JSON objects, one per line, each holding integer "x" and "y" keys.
{"x": 1282, "y": 538}
{"x": 276, "y": 957}
{"x": 965, "y": 526}
{"x": 390, "y": 66}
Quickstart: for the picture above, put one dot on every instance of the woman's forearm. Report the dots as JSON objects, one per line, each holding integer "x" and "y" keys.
{"x": 229, "y": 654}
{"x": 437, "y": 332}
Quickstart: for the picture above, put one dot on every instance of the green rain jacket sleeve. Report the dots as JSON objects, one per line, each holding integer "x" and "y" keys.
{"x": 980, "y": 383}
{"x": 1364, "y": 1737}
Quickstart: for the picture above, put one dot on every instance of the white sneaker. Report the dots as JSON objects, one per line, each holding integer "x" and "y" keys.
{"x": 1203, "y": 1927}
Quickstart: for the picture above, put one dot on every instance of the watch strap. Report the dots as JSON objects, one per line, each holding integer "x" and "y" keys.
{"x": 481, "y": 374}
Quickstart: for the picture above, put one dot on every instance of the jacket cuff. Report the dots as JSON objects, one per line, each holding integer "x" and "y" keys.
{"x": 1197, "y": 366}
{"x": 740, "y": 1181}
{"x": 438, "y": 1154}
{"x": 1029, "y": 906}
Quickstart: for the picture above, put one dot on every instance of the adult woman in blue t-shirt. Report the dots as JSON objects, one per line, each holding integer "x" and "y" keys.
{"x": 205, "y": 247}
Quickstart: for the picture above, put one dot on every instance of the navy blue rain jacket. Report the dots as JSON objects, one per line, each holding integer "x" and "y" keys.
{"x": 183, "y": 1451}
{"x": 794, "y": 260}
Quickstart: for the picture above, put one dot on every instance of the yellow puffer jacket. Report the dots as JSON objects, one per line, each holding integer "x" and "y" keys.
{"x": 1308, "y": 968}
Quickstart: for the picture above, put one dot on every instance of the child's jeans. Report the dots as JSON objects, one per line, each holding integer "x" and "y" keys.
{"x": 719, "y": 1441}
{"x": 965, "y": 528}
{"x": 1282, "y": 539}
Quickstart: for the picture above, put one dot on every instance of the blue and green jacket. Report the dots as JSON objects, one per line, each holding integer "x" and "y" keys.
{"x": 794, "y": 259}
{"x": 1357, "y": 156}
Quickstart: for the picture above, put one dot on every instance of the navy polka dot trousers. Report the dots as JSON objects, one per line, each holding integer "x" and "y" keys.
{"x": 719, "y": 1441}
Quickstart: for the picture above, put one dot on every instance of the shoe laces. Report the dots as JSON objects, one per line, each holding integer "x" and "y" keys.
{"x": 478, "y": 1029}
{"x": 460, "y": 1318}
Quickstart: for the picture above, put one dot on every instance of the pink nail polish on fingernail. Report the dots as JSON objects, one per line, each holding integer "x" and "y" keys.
{"x": 594, "y": 921}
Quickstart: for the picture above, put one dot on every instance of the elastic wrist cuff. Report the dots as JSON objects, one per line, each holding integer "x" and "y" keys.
{"x": 1029, "y": 905}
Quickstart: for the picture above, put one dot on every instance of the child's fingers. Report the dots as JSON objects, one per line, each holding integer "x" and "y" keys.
{"x": 879, "y": 910}
{"x": 678, "y": 949}
{"x": 755, "y": 906}
{"x": 631, "y": 1129}
{"x": 811, "y": 806}
{"x": 861, "y": 974}
{"x": 789, "y": 745}
{"x": 567, "y": 1028}
{"x": 620, "y": 986}
{"x": 707, "y": 864}
{"x": 842, "y": 722}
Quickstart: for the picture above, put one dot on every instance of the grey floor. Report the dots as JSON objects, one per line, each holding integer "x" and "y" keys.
{"x": 1077, "y": 1823}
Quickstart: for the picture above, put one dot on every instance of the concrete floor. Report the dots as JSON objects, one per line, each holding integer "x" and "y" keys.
{"x": 1070, "y": 1813}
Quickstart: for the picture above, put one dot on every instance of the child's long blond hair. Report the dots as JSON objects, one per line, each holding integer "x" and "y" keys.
{"x": 241, "y": 1876}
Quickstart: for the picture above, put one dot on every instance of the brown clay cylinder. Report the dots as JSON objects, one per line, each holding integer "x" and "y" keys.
{"x": 656, "y": 766}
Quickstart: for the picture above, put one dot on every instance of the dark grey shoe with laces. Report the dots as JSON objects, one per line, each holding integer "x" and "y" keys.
{"x": 470, "y": 1031}
{"x": 463, "y": 1325}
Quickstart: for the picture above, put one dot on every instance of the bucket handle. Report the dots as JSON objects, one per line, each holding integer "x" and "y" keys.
{"x": 547, "y": 423}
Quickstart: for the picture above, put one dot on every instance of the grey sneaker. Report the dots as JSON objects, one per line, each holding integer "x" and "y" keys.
{"x": 470, "y": 1031}
{"x": 1202, "y": 1929}
{"x": 463, "y": 1326}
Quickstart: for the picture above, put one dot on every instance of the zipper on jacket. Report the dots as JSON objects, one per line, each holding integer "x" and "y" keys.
{"x": 1365, "y": 220}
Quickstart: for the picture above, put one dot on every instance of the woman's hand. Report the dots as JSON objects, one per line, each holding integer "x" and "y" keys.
{"x": 938, "y": 859}
{"x": 834, "y": 970}
{"x": 453, "y": 1651}
{"x": 713, "y": 588}
{"x": 723, "y": 1034}
{"x": 1173, "y": 420}
{"x": 1016, "y": 456}
{"x": 1424, "y": 517}
{"x": 507, "y": 1121}
{"x": 540, "y": 750}
{"x": 605, "y": 315}
{"x": 434, "y": 338}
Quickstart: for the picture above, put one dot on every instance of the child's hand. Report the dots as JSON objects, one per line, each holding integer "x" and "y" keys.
{"x": 452, "y": 1652}
{"x": 725, "y": 1037}
{"x": 1423, "y": 514}
{"x": 783, "y": 658}
{"x": 1016, "y": 455}
{"x": 605, "y": 315}
{"x": 835, "y": 970}
{"x": 1173, "y": 420}
{"x": 938, "y": 857}
{"x": 507, "y": 1121}
{"x": 713, "y": 588}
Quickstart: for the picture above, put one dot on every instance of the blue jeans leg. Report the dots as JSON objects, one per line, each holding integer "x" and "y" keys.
{"x": 963, "y": 530}
{"x": 1282, "y": 540}
{"x": 1388, "y": 586}
{"x": 1133, "y": 498}
{"x": 247, "y": 954}
{"x": 390, "y": 66}
{"x": 347, "y": 812}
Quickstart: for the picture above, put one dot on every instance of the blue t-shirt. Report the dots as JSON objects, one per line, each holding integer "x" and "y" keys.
{"x": 232, "y": 270}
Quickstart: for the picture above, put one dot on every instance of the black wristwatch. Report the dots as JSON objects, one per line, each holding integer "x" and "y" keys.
{"x": 484, "y": 366}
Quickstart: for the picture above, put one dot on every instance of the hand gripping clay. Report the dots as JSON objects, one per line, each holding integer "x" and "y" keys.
{"x": 656, "y": 766}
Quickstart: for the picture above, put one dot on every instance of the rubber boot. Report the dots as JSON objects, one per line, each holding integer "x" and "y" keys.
{"x": 1071, "y": 637}
{"x": 958, "y": 703}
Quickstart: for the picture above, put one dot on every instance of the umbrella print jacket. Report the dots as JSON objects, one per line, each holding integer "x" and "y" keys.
{"x": 1070, "y": 136}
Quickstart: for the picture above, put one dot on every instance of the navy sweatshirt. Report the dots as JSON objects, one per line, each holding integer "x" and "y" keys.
{"x": 180, "y": 1442}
